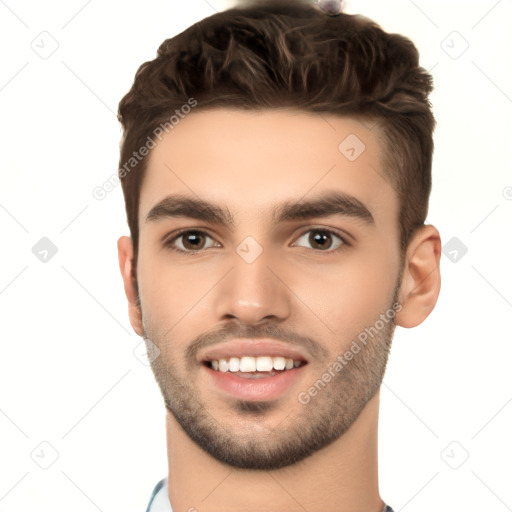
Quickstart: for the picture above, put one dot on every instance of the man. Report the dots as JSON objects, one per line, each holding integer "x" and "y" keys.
{"x": 276, "y": 168}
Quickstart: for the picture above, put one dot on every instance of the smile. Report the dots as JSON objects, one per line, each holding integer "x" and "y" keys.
{"x": 249, "y": 364}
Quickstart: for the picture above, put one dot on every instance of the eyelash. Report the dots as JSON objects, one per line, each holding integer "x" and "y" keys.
{"x": 169, "y": 243}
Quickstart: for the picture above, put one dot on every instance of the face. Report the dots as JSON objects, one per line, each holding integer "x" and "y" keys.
{"x": 268, "y": 266}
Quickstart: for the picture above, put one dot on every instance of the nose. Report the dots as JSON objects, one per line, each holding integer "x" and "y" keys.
{"x": 253, "y": 291}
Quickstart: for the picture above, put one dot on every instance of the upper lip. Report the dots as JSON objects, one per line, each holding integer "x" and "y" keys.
{"x": 251, "y": 347}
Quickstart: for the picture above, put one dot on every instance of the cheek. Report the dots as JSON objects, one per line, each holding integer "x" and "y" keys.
{"x": 174, "y": 296}
{"x": 345, "y": 298}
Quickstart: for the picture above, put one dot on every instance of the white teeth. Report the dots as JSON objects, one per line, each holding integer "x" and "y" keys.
{"x": 234, "y": 364}
{"x": 247, "y": 364}
{"x": 264, "y": 364}
{"x": 279, "y": 363}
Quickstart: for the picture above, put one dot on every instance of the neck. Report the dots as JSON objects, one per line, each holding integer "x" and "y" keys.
{"x": 342, "y": 477}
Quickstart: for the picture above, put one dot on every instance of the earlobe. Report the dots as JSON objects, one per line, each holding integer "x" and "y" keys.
{"x": 421, "y": 277}
{"x": 125, "y": 255}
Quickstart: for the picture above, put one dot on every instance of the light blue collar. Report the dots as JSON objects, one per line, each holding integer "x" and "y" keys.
{"x": 159, "y": 501}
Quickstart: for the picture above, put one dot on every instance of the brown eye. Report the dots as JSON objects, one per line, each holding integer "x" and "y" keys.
{"x": 321, "y": 240}
{"x": 191, "y": 241}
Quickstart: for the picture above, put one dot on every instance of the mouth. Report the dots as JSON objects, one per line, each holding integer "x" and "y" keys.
{"x": 250, "y": 367}
{"x": 253, "y": 370}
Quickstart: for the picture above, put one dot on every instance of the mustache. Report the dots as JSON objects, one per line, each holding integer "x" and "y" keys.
{"x": 231, "y": 331}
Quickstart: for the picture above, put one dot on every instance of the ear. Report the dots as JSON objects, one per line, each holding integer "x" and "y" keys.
{"x": 421, "y": 277}
{"x": 128, "y": 273}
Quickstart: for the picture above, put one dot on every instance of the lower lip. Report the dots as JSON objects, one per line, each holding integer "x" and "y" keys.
{"x": 259, "y": 389}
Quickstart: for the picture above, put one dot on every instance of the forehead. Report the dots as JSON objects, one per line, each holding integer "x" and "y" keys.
{"x": 251, "y": 161}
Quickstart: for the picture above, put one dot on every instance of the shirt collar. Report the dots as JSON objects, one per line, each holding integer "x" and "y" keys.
{"x": 159, "y": 501}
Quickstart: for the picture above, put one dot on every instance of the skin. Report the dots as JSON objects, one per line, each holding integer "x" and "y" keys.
{"x": 249, "y": 163}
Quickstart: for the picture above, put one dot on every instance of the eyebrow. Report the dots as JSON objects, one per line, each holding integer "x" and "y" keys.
{"x": 183, "y": 206}
{"x": 333, "y": 203}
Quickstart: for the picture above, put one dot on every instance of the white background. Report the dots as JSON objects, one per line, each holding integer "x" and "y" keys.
{"x": 69, "y": 376}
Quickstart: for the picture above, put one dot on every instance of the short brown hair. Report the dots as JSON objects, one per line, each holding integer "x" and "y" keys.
{"x": 282, "y": 53}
